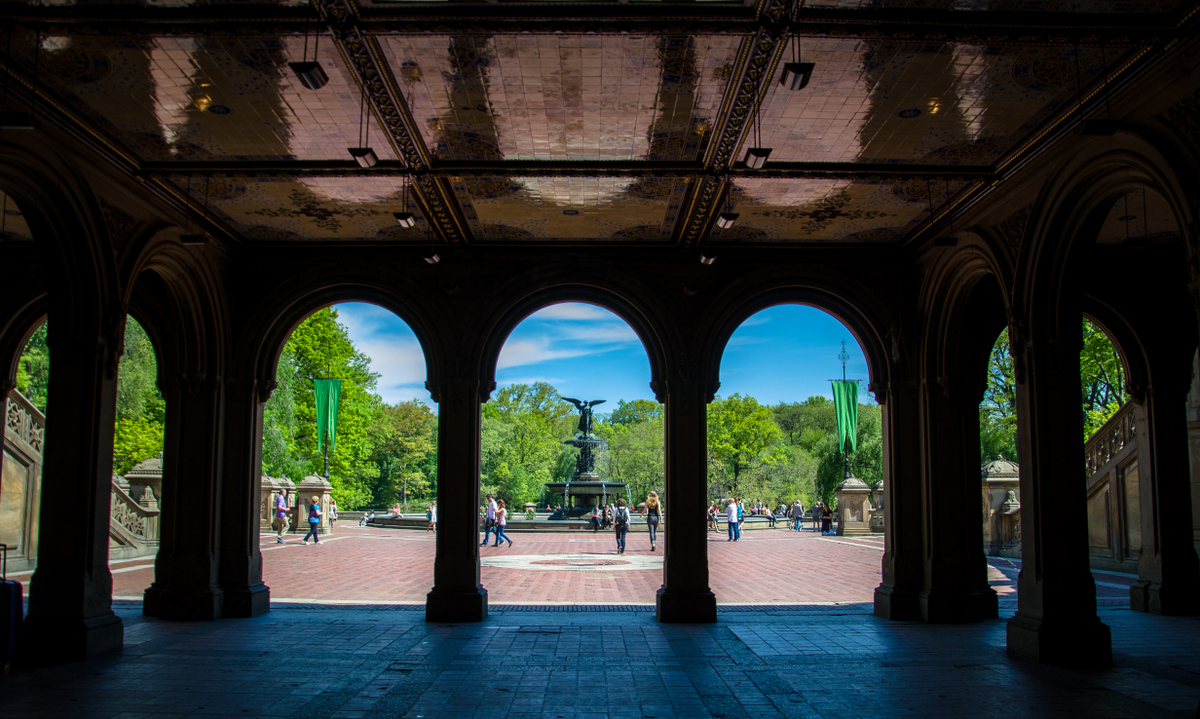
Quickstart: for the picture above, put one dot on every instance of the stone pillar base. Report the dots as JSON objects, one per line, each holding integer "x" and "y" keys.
{"x": 1152, "y": 597}
{"x": 246, "y": 603}
{"x": 204, "y": 604}
{"x": 897, "y": 604}
{"x": 686, "y": 607}
{"x": 958, "y": 607}
{"x": 854, "y": 529}
{"x": 1084, "y": 644}
{"x": 62, "y": 642}
{"x": 468, "y": 606}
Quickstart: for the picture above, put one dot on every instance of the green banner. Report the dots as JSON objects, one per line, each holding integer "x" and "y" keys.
{"x": 845, "y": 405}
{"x": 329, "y": 391}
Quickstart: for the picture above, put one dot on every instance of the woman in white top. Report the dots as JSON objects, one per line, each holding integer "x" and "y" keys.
{"x": 501, "y": 520}
{"x": 432, "y": 514}
{"x": 731, "y": 519}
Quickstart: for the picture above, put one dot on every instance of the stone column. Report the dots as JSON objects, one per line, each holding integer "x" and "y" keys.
{"x": 896, "y": 595}
{"x": 457, "y": 595}
{"x": 240, "y": 572}
{"x": 1056, "y": 618}
{"x": 1168, "y": 574}
{"x": 685, "y": 596}
{"x": 955, "y": 587}
{"x": 70, "y": 594}
{"x": 185, "y": 569}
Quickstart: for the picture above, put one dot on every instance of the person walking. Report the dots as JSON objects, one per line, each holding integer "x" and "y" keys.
{"x": 731, "y": 521}
{"x": 314, "y": 520}
{"x": 489, "y": 519}
{"x": 333, "y": 513}
{"x": 827, "y": 521}
{"x": 501, "y": 521}
{"x": 655, "y": 511}
{"x": 621, "y": 524}
{"x": 431, "y": 515}
{"x": 280, "y": 523}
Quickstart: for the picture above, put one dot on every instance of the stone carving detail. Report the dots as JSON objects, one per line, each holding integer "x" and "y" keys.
{"x": 20, "y": 420}
{"x": 119, "y": 223}
{"x": 1185, "y": 116}
{"x": 127, "y": 517}
{"x": 1120, "y": 430}
{"x": 1012, "y": 230}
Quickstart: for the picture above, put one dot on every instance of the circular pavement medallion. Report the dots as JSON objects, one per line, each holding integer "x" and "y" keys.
{"x": 573, "y": 562}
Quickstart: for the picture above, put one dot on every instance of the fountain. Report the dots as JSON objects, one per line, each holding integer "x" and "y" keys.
{"x": 585, "y": 491}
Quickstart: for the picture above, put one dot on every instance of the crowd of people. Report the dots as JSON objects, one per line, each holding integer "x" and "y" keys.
{"x": 735, "y": 512}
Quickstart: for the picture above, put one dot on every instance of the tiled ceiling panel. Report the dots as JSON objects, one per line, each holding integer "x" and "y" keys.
{"x": 563, "y": 97}
{"x": 886, "y": 101}
{"x": 13, "y": 226}
{"x": 818, "y": 210}
{"x": 317, "y": 208}
{"x": 214, "y": 98}
{"x": 571, "y": 208}
{"x": 1075, "y": 6}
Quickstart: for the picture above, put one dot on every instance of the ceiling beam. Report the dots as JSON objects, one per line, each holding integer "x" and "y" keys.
{"x": 365, "y": 61}
{"x": 617, "y": 168}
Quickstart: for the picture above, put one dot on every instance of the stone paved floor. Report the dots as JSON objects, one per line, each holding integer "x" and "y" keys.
{"x": 347, "y": 662}
{"x": 767, "y": 567}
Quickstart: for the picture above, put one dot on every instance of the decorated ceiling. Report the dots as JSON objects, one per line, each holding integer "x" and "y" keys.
{"x": 578, "y": 123}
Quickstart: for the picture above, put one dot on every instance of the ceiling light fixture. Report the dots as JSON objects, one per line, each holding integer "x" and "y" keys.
{"x": 796, "y": 74}
{"x": 433, "y": 259}
{"x": 404, "y": 218}
{"x": 725, "y": 220}
{"x": 310, "y": 73}
{"x": 756, "y": 157}
{"x": 704, "y": 260}
{"x": 363, "y": 154}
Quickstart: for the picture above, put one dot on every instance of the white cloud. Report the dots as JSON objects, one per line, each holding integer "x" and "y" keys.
{"x": 394, "y": 351}
{"x": 571, "y": 311}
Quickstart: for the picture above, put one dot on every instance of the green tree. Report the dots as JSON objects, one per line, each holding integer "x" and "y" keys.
{"x": 1102, "y": 378}
{"x": 140, "y": 412}
{"x": 635, "y": 454}
{"x": 523, "y": 428}
{"x": 33, "y": 369}
{"x": 741, "y": 436}
{"x": 403, "y": 437}
{"x": 636, "y": 411}
{"x": 998, "y": 411}
{"x": 321, "y": 348}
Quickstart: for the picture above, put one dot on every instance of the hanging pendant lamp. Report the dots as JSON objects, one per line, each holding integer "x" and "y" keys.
{"x": 796, "y": 74}
{"x": 310, "y": 73}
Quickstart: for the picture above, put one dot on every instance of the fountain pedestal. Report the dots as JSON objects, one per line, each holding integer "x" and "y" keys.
{"x": 586, "y": 490}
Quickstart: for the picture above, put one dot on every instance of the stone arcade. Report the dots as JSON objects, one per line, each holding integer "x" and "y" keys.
{"x": 937, "y": 181}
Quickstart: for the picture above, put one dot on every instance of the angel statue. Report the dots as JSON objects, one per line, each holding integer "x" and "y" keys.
{"x": 585, "y": 414}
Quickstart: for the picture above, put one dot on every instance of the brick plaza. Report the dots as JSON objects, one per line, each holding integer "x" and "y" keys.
{"x": 382, "y": 566}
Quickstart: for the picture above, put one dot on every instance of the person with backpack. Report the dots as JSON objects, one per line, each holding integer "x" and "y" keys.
{"x": 314, "y": 520}
{"x": 621, "y": 524}
{"x": 654, "y": 509}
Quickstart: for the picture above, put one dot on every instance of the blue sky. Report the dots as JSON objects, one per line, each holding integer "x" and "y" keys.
{"x": 785, "y": 353}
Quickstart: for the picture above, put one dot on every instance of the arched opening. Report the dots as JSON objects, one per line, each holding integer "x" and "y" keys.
{"x": 562, "y": 510}
{"x": 774, "y": 457}
{"x": 383, "y": 455}
{"x": 24, "y": 433}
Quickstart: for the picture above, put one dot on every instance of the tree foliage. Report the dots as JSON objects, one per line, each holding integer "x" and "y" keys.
{"x": 33, "y": 369}
{"x": 1101, "y": 381}
{"x": 742, "y": 436}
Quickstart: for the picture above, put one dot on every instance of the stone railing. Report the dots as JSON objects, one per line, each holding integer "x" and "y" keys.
{"x": 133, "y": 525}
{"x": 24, "y": 421}
{"x": 1108, "y": 441}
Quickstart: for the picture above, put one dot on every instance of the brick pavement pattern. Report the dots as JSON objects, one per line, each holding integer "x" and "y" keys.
{"x": 339, "y": 662}
{"x": 368, "y": 565}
